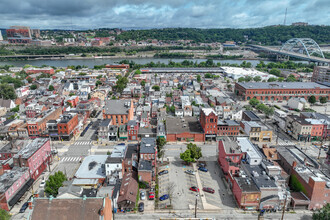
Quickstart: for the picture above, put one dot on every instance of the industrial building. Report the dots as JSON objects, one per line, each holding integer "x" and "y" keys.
{"x": 321, "y": 74}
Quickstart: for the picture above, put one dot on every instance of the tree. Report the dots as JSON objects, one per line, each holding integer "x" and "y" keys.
{"x": 89, "y": 96}
{"x": 143, "y": 83}
{"x": 186, "y": 157}
{"x": 198, "y": 78}
{"x": 312, "y": 99}
{"x": 99, "y": 77}
{"x": 254, "y": 102}
{"x": 156, "y": 88}
{"x": 33, "y": 87}
{"x": 229, "y": 86}
{"x": 138, "y": 72}
{"x": 4, "y": 215}
{"x": 69, "y": 104}
{"x": 7, "y": 92}
{"x": 16, "y": 109}
{"x": 248, "y": 78}
{"x": 323, "y": 213}
{"x": 54, "y": 182}
{"x": 291, "y": 78}
{"x": 170, "y": 191}
{"x": 257, "y": 78}
{"x": 275, "y": 72}
{"x": 51, "y": 88}
{"x": 241, "y": 79}
{"x": 98, "y": 82}
{"x": 248, "y": 107}
{"x": 280, "y": 79}
{"x": 208, "y": 75}
{"x": 29, "y": 79}
{"x": 196, "y": 152}
{"x": 323, "y": 99}
{"x": 271, "y": 79}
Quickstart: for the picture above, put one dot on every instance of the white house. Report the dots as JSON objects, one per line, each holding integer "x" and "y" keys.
{"x": 178, "y": 112}
{"x": 298, "y": 103}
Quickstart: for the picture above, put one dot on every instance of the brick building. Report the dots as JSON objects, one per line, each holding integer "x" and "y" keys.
{"x": 148, "y": 150}
{"x": 19, "y": 35}
{"x": 38, "y": 127}
{"x": 145, "y": 171}
{"x": 185, "y": 129}
{"x": 228, "y": 128}
{"x": 321, "y": 74}
{"x": 68, "y": 126}
{"x": 13, "y": 185}
{"x": 36, "y": 156}
{"x": 132, "y": 130}
{"x": 209, "y": 122}
{"x": 120, "y": 111}
{"x": 280, "y": 91}
{"x": 34, "y": 70}
{"x": 305, "y": 170}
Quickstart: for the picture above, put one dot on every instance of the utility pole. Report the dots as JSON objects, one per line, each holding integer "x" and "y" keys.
{"x": 318, "y": 157}
{"x": 196, "y": 207}
{"x": 286, "y": 197}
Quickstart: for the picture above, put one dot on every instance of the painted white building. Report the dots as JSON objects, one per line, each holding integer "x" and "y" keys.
{"x": 298, "y": 103}
{"x": 253, "y": 156}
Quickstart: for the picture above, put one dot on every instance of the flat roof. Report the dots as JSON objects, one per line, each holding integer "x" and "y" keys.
{"x": 31, "y": 148}
{"x": 282, "y": 85}
{"x": 9, "y": 178}
{"x": 175, "y": 125}
{"x": 92, "y": 167}
{"x": 248, "y": 147}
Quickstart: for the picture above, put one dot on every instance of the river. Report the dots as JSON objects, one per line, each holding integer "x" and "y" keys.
{"x": 91, "y": 62}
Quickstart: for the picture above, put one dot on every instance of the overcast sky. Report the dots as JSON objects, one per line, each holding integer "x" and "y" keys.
{"x": 160, "y": 13}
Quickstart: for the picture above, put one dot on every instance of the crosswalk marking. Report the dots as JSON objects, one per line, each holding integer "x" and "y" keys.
{"x": 283, "y": 143}
{"x": 70, "y": 159}
{"x": 82, "y": 143}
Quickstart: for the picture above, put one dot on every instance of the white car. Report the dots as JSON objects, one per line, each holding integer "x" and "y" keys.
{"x": 142, "y": 195}
{"x": 42, "y": 184}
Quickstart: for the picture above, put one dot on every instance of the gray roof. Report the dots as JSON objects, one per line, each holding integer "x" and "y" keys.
{"x": 31, "y": 148}
{"x": 131, "y": 123}
{"x": 148, "y": 145}
{"x": 145, "y": 165}
{"x": 9, "y": 178}
{"x": 260, "y": 178}
{"x": 92, "y": 167}
{"x": 105, "y": 122}
{"x": 117, "y": 107}
{"x": 282, "y": 85}
{"x": 5, "y": 103}
{"x": 176, "y": 126}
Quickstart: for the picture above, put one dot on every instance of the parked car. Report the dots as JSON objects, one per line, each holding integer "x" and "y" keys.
{"x": 208, "y": 189}
{"x": 24, "y": 207}
{"x": 194, "y": 188}
{"x": 151, "y": 195}
{"x": 163, "y": 197}
{"x": 203, "y": 169}
{"x": 142, "y": 195}
{"x": 42, "y": 184}
{"x": 141, "y": 207}
{"x": 201, "y": 165}
{"x": 121, "y": 144}
{"x": 190, "y": 172}
{"x": 163, "y": 172}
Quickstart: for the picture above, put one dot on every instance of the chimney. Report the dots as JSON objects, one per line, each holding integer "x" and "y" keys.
{"x": 294, "y": 164}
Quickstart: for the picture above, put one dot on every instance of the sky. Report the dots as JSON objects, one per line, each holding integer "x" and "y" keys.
{"x": 91, "y": 14}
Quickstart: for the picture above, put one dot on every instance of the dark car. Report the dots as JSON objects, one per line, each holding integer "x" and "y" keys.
{"x": 163, "y": 197}
{"x": 194, "y": 188}
{"x": 141, "y": 207}
{"x": 163, "y": 172}
{"x": 208, "y": 189}
{"x": 24, "y": 207}
{"x": 201, "y": 165}
{"x": 203, "y": 169}
{"x": 121, "y": 144}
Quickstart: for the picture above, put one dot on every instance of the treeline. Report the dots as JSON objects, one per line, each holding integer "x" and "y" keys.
{"x": 174, "y": 55}
{"x": 221, "y": 56}
{"x": 105, "y": 51}
{"x": 271, "y": 35}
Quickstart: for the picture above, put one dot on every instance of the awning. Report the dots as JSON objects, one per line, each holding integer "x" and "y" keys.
{"x": 21, "y": 192}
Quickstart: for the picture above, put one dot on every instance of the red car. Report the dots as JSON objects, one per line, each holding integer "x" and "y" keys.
{"x": 194, "y": 188}
{"x": 151, "y": 195}
{"x": 208, "y": 189}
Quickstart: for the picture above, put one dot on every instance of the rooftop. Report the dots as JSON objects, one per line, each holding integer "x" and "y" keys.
{"x": 105, "y": 122}
{"x": 148, "y": 145}
{"x": 248, "y": 147}
{"x": 252, "y": 115}
{"x": 31, "y": 148}
{"x": 187, "y": 124}
{"x": 92, "y": 167}
{"x": 231, "y": 147}
{"x": 117, "y": 107}
{"x": 208, "y": 111}
{"x": 145, "y": 165}
{"x": 259, "y": 176}
{"x": 282, "y": 85}
{"x": 73, "y": 209}
{"x": 9, "y": 178}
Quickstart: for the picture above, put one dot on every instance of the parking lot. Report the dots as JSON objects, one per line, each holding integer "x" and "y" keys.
{"x": 183, "y": 198}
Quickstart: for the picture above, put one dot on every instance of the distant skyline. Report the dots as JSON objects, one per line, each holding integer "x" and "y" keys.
{"x": 91, "y": 14}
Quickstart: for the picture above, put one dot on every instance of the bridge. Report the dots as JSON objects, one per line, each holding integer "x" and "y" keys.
{"x": 300, "y": 48}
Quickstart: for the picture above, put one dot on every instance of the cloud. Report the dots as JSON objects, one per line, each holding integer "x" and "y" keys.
{"x": 159, "y": 13}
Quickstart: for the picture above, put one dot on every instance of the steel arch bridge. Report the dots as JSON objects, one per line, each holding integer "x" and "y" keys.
{"x": 306, "y": 46}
